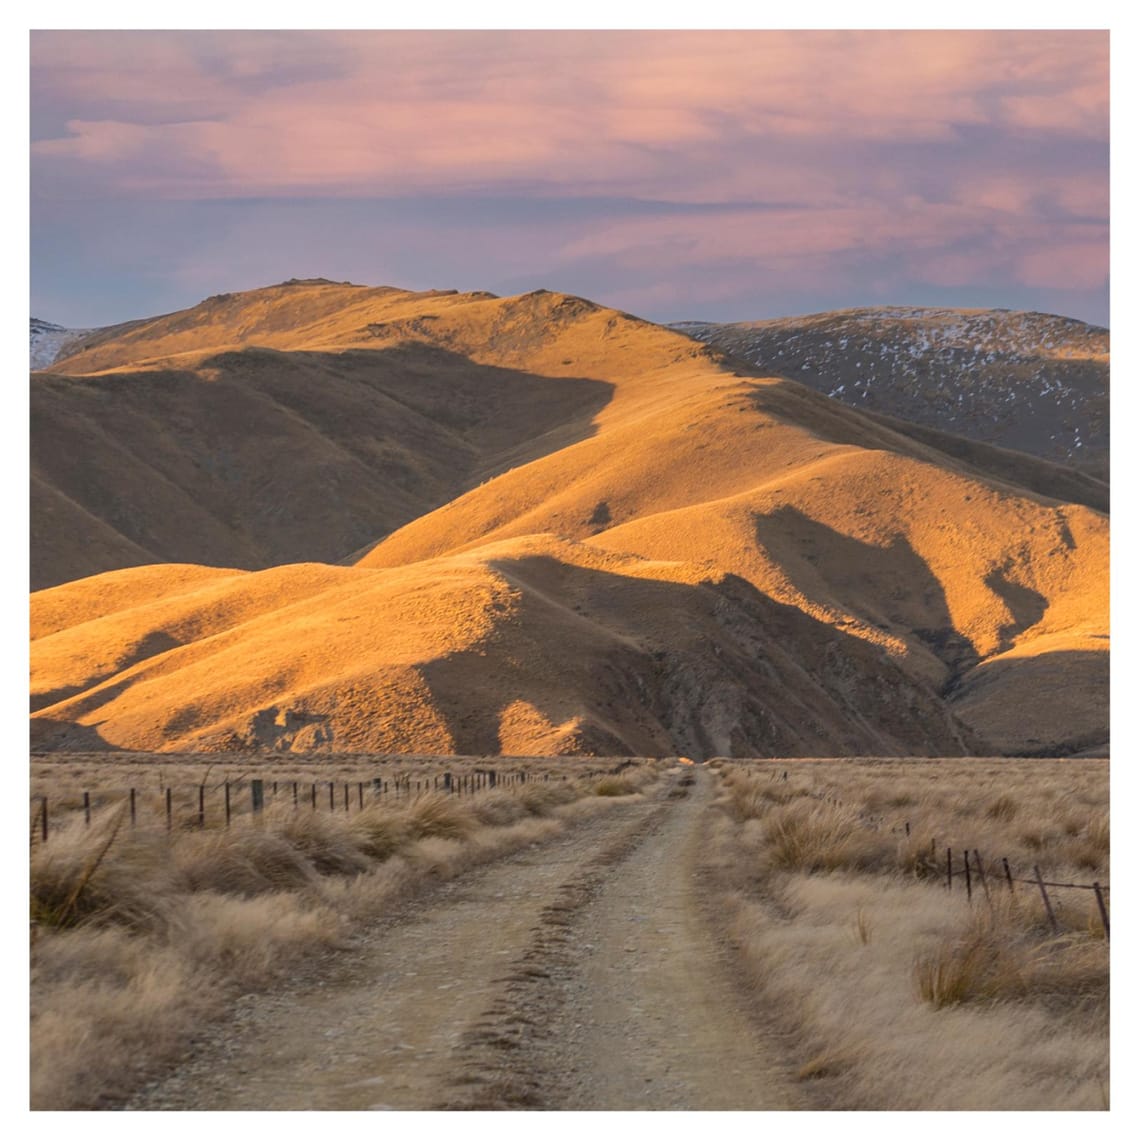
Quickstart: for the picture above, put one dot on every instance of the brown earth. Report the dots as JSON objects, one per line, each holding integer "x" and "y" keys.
{"x": 578, "y": 974}
{"x": 637, "y": 546}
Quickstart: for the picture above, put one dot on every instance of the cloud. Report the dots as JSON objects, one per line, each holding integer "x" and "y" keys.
{"x": 830, "y": 161}
{"x": 606, "y": 112}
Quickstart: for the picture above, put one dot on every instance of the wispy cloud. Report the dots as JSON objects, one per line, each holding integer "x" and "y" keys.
{"x": 952, "y": 152}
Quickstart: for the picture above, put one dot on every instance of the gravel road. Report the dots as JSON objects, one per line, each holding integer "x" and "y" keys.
{"x": 580, "y": 973}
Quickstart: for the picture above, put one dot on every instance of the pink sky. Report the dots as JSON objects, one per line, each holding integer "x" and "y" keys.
{"x": 673, "y": 173}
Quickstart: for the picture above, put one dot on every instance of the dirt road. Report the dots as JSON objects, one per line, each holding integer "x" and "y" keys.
{"x": 576, "y": 974}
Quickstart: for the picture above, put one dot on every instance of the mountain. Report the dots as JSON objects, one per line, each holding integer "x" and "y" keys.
{"x": 1029, "y": 381}
{"x": 49, "y": 341}
{"x": 535, "y": 525}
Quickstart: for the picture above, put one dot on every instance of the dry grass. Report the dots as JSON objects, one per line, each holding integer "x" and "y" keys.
{"x": 140, "y": 935}
{"x": 894, "y": 993}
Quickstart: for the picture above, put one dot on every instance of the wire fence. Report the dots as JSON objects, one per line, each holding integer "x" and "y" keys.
{"x": 204, "y": 804}
{"x": 968, "y": 875}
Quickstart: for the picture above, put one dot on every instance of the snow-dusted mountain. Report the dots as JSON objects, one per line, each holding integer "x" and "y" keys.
{"x": 48, "y": 341}
{"x": 1029, "y": 381}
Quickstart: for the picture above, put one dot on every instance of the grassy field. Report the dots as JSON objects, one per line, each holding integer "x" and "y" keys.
{"x": 140, "y": 935}
{"x": 894, "y": 992}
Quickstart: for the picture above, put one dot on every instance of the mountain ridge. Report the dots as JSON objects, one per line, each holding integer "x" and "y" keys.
{"x": 615, "y": 538}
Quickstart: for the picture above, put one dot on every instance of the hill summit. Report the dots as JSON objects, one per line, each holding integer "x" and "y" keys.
{"x": 327, "y": 516}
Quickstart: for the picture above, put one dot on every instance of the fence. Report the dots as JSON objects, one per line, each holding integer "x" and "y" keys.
{"x": 1099, "y": 890}
{"x": 195, "y": 805}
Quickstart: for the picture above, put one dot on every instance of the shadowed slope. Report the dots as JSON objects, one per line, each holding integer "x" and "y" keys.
{"x": 259, "y": 457}
{"x": 663, "y": 555}
{"x": 1028, "y": 381}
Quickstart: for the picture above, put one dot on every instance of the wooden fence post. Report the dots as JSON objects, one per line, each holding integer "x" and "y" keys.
{"x": 227, "y": 787}
{"x": 133, "y": 813}
{"x": 294, "y": 794}
{"x": 346, "y": 796}
{"x": 1045, "y": 899}
{"x": 966, "y": 865}
{"x": 1103, "y": 910}
{"x": 44, "y": 819}
{"x": 949, "y": 871}
{"x": 981, "y": 873}
{"x": 360, "y": 795}
{"x": 314, "y": 796}
{"x": 256, "y": 796}
{"x": 169, "y": 811}
{"x": 332, "y": 796}
{"x": 201, "y": 806}
{"x": 447, "y": 782}
{"x": 87, "y": 809}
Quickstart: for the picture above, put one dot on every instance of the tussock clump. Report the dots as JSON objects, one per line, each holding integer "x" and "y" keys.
{"x": 99, "y": 874}
{"x": 380, "y": 832}
{"x": 251, "y": 940}
{"x": 325, "y": 840}
{"x": 814, "y": 837}
{"x": 498, "y": 809}
{"x": 1003, "y": 808}
{"x": 242, "y": 861}
{"x": 1000, "y": 956}
{"x": 436, "y": 814}
{"x": 614, "y": 786}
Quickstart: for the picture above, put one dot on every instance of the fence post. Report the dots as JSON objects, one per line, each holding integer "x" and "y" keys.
{"x": 966, "y": 865}
{"x": 447, "y": 782}
{"x": 256, "y": 796}
{"x": 1103, "y": 909}
{"x": 949, "y": 871}
{"x": 332, "y": 796}
{"x": 360, "y": 795}
{"x": 133, "y": 814}
{"x": 314, "y": 796}
{"x": 346, "y": 796}
{"x": 87, "y": 809}
{"x": 201, "y": 806}
{"x": 227, "y": 785}
{"x": 494, "y": 778}
{"x": 169, "y": 810}
{"x": 1008, "y": 873}
{"x": 294, "y": 794}
{"x": 44, "y": 819}
{"x": 981, "y": 873}
{"x": 1045, "y": 898}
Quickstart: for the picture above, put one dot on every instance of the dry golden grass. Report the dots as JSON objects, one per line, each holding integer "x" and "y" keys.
{"x": 139, "y": 935}
{"x": 894, "y": 993}
{"x": 606, "y": 491}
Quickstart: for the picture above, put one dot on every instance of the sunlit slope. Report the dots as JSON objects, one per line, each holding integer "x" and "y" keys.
{"x": 304, "y": 422}
{"x": 614, "y": 540}
{"x": 529, "y": 646}
{"x": 878, "y": 535}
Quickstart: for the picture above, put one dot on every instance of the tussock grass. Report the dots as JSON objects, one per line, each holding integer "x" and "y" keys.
{"x": 891, "y": 992}
{"x": 140, "y": 935}
{"x": 810, "y": 837}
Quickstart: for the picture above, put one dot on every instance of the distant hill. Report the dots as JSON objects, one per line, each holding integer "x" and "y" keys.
{"x": 1028, "y": 381}
{"x": 535, "y": 525}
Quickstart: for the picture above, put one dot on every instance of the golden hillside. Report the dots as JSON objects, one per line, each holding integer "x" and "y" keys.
{"x": 574, "y": 531}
